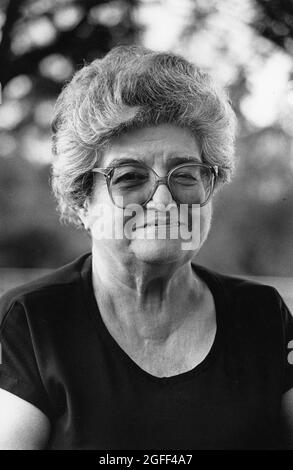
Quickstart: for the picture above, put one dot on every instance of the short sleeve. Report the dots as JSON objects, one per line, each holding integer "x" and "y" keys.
{"x": 19, "y": 372}
{"x": 287, "y": 325}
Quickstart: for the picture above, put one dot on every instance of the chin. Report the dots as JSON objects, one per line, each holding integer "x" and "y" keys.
{"x": 159, "y": 251}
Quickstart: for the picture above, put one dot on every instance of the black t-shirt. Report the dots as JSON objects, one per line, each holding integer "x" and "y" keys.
{"x": 58, "y": 355}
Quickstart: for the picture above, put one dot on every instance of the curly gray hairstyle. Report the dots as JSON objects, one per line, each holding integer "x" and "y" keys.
{"x": 133, "y": 87}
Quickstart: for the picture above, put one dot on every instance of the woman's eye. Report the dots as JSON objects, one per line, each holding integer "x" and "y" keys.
{"x": 186, "y": 176}
{"x": 130, "y": 178}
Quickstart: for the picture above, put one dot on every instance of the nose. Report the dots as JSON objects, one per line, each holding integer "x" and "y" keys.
{"x": 162, "y": 195}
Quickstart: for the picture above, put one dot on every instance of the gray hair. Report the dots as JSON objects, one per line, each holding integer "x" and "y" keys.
{"x": 130, "y": 88}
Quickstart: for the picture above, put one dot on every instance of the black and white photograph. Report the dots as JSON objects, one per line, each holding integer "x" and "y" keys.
{"x": 146, "y": 228}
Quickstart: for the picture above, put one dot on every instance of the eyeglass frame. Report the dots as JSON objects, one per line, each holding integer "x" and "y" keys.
{"x": 108, "y": 173}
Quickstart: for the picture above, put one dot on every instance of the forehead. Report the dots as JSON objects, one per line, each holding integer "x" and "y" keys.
{"x": 153, "y": 145}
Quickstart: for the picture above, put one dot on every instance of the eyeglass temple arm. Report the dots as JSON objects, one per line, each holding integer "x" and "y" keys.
{"x": 216, "y": 170}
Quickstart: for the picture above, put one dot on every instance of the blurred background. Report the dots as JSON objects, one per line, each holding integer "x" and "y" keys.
{"x": 248, "y": 47}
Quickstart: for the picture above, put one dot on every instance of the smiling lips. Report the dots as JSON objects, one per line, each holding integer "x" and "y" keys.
{"x": 157, "y": 221}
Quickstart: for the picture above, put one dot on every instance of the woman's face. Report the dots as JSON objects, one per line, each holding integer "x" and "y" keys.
{"x": 135, "y": 235}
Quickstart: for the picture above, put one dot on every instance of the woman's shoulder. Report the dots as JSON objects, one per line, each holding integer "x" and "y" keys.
{"x": 243, "y": 297}
{"x": 233, "y": 283}
{"x": 44, "y": 289}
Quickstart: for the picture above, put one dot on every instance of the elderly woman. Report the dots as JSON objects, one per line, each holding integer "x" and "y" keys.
{"x": 134, "y": 346}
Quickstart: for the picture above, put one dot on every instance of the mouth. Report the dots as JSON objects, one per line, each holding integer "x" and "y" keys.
{"x": 157, "y": 220}
{"x": 161, "y": 224}
{"x": 157, "y": 223}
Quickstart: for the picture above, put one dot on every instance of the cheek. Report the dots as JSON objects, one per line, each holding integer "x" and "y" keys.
{"x": 101, "y": 212}
{"x": 103, "y": 219}
{"x": 107, "y": 222}
{"x": 199, "y": 219}
{"x": 205, "y": 221}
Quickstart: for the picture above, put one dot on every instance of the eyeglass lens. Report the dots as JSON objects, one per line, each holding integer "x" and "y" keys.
{"x": 190, "y": 184}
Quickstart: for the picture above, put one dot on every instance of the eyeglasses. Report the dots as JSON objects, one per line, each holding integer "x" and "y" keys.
{"x": 136, "y": 183}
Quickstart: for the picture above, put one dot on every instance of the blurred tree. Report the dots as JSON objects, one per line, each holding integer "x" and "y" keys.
{"x": 78, "y": 30}
{"x": 235, "y": 40}
{"x": 274, "y": 21}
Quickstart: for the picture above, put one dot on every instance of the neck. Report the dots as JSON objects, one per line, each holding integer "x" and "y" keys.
{"x": 150, "y": 300}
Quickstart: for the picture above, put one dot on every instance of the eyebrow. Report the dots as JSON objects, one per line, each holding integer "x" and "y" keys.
{"x": 174, "y": 159}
